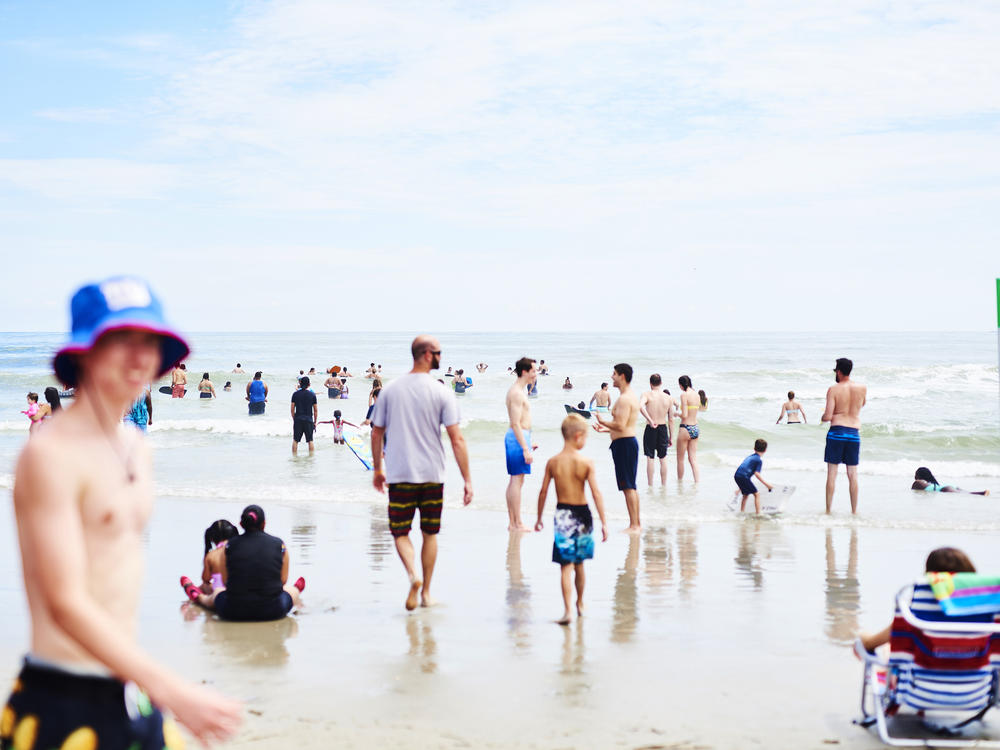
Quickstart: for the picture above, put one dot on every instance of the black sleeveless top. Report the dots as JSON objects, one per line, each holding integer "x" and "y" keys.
{"x": 253, "y": 568}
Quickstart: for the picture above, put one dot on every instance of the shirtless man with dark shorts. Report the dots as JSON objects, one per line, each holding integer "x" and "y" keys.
{"x": 843, "y": 441}
{"x": 655, "y": 407}
{"x": 624, "y": 446}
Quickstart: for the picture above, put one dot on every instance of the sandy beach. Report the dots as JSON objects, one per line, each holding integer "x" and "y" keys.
{"x": 712, "y": 635}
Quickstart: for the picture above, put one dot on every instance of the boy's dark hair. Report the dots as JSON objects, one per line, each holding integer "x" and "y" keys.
{"x": 625, "y": 371}
{"x": 218, "y": 532}
{"x": 304, "y": 381}
{"x": 252, "y": 518}
{"x": 523, "y": 365}
{"x": 655, "y": 379}
{"x": 949, "y": 560}
{"x": 336, "y": 414}
{"x": 760, "y": 445}
{"x": 844, "y": 366}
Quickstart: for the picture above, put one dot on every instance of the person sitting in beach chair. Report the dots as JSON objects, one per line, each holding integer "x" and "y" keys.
{"x": 939, "y": 659}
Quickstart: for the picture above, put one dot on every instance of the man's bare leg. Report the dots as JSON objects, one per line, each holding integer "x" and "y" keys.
{"x": 514, "y": 503}
{"x": 581, "y": 579}
{"x": 404, "y": 547}
{"x": 295, "y": 448}
{"x": 632, "y": 505}
{"x": 566, "y": 573}
{"x": 649, "y": 471}
{"x": 311, "y": 446}
{"x": 831, "y": 483}
{"x": 852, "y": 480}
{"x": 663, "y": 471}
{"x": 428, "y": 556}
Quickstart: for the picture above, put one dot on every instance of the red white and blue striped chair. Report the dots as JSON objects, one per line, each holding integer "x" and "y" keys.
{"x": 945, "y": 668}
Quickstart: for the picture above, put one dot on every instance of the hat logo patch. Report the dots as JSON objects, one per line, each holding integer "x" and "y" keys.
{"x": 125, "y": 293}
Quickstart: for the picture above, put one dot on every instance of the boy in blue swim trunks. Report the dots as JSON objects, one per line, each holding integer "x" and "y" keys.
{"x": 751, "y": 467}
{"x": 573, "y": 523}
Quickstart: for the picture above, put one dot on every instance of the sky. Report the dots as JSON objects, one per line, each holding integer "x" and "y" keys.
{"x": 505, "y": 166}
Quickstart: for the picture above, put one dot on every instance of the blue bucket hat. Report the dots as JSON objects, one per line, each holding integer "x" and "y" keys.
{"x": 115, "y": 304}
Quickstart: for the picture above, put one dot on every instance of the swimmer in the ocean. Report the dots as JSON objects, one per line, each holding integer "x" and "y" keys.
{"x": 924, "y": 480}
{"x": 567, "y": 386}
{"x": 792, "y": 409}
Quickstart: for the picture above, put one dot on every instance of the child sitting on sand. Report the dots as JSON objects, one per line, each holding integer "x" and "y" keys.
{"x": 751, "y": 467}
{"x": 573, "y": 523}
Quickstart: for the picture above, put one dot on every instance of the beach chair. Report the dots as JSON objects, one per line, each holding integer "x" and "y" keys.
{"x": 944, "y": 664}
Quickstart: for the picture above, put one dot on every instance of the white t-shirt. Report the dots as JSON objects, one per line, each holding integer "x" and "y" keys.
{"x": 412, "y": 410}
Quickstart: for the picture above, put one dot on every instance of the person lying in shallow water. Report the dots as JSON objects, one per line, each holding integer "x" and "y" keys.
{"x": 924, "y": 480}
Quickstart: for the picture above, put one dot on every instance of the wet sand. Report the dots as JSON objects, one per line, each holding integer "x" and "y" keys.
{"x": 710, "y": 635}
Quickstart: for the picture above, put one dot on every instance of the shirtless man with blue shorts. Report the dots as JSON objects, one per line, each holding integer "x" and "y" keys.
{"x": 517, "y": 441}
{"x": 843, "y": 442}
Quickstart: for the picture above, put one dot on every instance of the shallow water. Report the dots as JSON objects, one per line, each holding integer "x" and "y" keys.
{"x": 709, "y": 630}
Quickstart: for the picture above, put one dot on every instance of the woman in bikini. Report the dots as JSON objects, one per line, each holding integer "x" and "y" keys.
{"x": 793, "y": 410}
{"x": 687, "y": 435}
{"x": 205, "y": 387}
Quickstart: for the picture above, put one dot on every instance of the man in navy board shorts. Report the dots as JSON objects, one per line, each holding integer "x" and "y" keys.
{"x": 408, "y": 416}
{"x": 305, "y": 412}
{"x": 624, "y": 445}
{"x": 843, "y": 441}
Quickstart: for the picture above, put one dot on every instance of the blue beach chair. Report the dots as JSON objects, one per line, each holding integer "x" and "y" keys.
{"x": 944, "y": 667}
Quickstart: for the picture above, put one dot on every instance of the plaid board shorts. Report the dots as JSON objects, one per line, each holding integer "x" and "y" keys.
{"x": 406, "y": 497}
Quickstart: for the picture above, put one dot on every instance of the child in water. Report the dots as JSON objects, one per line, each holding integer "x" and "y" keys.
{"x": 338, "y": 427}
{"x": 751, "y": 467}
{"x": 924, "y": 480}
{"x": 573, "y": 523}
{"x": 32, "y": 409}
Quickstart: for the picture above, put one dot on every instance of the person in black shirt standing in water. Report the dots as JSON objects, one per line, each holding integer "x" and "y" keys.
{"x": 305, "y": 412}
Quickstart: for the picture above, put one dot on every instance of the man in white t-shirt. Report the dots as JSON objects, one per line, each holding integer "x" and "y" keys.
{"x": 408, "y": 417}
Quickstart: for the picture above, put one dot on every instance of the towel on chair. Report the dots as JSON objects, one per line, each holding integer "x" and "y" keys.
{"x": 966, "y": 593}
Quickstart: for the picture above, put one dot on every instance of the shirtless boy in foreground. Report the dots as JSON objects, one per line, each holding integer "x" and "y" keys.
{"x": 573, "y": 523}
{"x": 843, "y": 441}
{"x": 83, "y": 593}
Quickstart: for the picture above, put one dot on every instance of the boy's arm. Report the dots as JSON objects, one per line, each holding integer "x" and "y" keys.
{"x": 46, "y": 500}
{"x": 598, "y": 499}
{"x": 763, "y": 481}
{"x": 542, "y": 493}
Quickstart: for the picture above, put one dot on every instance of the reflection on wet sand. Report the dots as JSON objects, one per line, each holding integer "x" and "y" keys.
{"x": 423, "y": 646}
{"x": 758, "y": 540}
{"x": 687, "y": 556}
{"x": 303, "y": 536}
{"x": 575, "y": 678}
{"x": 657, "y": 558}
{"x": 626, "y": 613}
{"x": 380, "y": 540}
{"x": 843, "y": 598}
{"x": 257, "y": 643}
{"x": 518, "y": 595}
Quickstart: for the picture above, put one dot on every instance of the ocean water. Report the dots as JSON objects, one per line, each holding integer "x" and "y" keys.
{"x": 932, "y": 401}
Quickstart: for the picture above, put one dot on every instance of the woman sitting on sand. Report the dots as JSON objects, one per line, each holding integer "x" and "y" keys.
{"x": 941, "y": 560}
{"x": 205, "y": 387}
{"x": 792, "y": 409}
{"x": 254, "y": 574}
{"x": 924, "y": 480}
